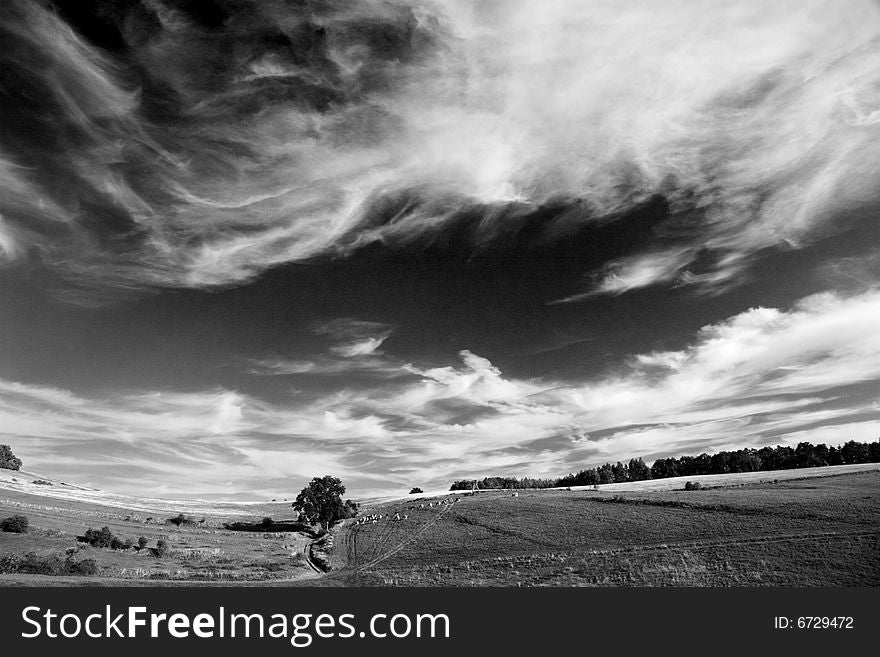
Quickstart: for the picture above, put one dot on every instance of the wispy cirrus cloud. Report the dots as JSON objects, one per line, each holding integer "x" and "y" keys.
{"x": 199, "y": 154}
{"x": 355, "y": 338}
{"x": 635, "y": 272}
{"x": 355, "y": 348}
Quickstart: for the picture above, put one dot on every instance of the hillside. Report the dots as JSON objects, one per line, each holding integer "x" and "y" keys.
{"x": 814, "y": 527}
{"x": 821, "y": 530}
{"x": 28, "y": 483}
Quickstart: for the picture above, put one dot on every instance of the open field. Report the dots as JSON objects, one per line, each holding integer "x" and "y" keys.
{"x": 800, "y": 531}
{"x": 806, "y": 532}
{"x": 201, "y": 550}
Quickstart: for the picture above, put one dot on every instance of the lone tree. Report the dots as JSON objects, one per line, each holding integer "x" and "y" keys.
{"x": 8, "y": 460}
{"x": 416, "y": 490}
{"x": 321, "y": 502}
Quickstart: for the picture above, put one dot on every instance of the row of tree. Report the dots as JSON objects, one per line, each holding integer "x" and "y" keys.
{"x": 805, "y": 455}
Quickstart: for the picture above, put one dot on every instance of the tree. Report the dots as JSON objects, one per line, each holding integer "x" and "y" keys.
{"x": 606, "y": 474}
{"x": 8, "y": 460}
{"x": 874, "y": 452}
{"x": 619, "y": 472}
{"x": 853, "y": 452}
{"x": 663, "y": 468}
{"x": 416, "y": 490}
{"x": 638, "y": 471}
{"x": 321, "y": 501}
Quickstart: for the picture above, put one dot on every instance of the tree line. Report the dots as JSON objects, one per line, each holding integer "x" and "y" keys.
{"x": 781, "y": 457}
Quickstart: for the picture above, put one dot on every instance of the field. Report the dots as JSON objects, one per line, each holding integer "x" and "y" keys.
{"x": 808, "y": 532}
{"x": 815, "y": 531}
{"x": 199, "y": 550}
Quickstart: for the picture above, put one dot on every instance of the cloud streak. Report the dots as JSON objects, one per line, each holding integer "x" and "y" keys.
{"x": 764, "y": 376}
{"x": 200, "y": 151}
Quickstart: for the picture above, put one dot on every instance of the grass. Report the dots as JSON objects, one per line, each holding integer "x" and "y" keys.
{"x": 817, "y": 532}
{"x": 805, "y": 532}
{"x": 198, "y": 552}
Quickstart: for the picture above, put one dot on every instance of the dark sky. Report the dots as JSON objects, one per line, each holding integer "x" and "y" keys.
{"x": 246, "y": 243}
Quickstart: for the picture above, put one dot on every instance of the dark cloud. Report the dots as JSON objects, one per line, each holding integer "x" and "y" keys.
{"x": 199, "y": 144}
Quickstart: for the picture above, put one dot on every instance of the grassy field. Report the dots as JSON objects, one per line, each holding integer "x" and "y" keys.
{"x": 810, "y": 532}
{"x": 201, "y": 550}
{"x": 796, "y": 532}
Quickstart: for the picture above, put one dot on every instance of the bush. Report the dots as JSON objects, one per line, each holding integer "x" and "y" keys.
{"x": 8, "y": 460}
{"x": 16, "y": 524}
{"x": 82, "y": 567}
{"x": 9, "y": 562}
{"x": 349, "y": 509}
{"x": 180, "y": 519}
{"x": 266, "y": 522}
{"x": 102, "y": 538}
{"x": 51, "y": 564}
{"x": 416, "y": 490}
{"x": 692, "y": 485}
{"x": 161, "y": 548}
{"x": 142, "y": 542}
{"x": 117, "y": 543}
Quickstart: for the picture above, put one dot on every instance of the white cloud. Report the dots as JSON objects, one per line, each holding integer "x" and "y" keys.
{"x": 764, "y": 376}
{"x": 634, "y": 272}
{"x": 365, "y": 347}
{"x": 356, "y": 350}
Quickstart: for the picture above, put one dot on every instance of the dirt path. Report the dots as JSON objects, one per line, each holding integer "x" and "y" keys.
{"x": 307, "y": 553}
{"x": 397, "y": 548}
{"x": 348, "y": 549}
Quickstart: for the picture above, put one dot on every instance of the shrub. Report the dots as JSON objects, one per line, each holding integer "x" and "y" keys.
{"x": 142, "y": 542}
{"x": 161, "y": 548}
{"x": 16, "y": 524}
{"x": 8, "y": 460}
{"x": 82, "y": 567}
{"x": 117, "y": 543}
{"x": 9, "y": 562}
{"x": 266, "y": 522}
{"x": 180, "y": 519}
{"x": 349, "y": 509}
{"x": 416, "y": 490}
{"x": 50, "y": 564}
{"x": 102, "y": 538}
{"x": 692, "y": 485}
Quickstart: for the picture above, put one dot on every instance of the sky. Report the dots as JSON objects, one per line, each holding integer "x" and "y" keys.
{"x": 247, "y": 243}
